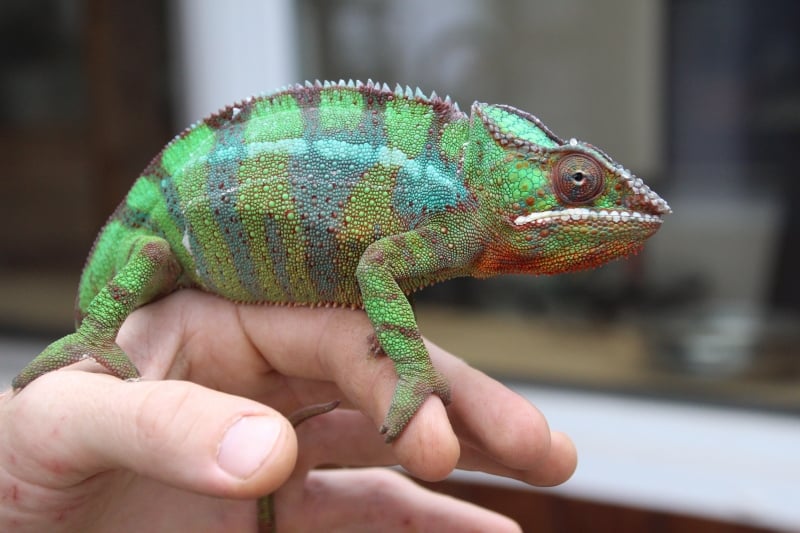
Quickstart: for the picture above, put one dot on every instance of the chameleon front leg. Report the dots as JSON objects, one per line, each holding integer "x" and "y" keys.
{"x": 419, "y": 257}
{"x": 150, "y": 271}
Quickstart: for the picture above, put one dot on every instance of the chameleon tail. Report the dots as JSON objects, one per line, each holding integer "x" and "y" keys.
{"x": 266, "y": 505}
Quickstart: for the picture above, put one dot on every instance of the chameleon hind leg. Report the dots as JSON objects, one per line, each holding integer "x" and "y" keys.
{"x": 150, "y": 271}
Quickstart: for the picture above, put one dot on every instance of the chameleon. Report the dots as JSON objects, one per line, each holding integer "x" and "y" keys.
{"x": 352, "y": 194}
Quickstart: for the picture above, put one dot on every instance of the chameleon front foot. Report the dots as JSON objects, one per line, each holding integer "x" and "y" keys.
{"x": 71, "y": 349}
{"x": 411, "y": 391}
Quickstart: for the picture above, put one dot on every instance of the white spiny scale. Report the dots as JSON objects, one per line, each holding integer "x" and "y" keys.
{"x": 342, "y": 83}
{"x": 317, "y": 84}
{"x": 409, "y": 93}
{"x": 419, "y": 94}
{"x": 434, "y": 96}
{"x": 309, "y": 85}
{"x": 326, "y": 84}
{"x": 398, "y": 91}
{"x": 359, "y": 84}
{"x": 455, "y": 106}
{"x": 386, "y": 87}
{"x": 447, "y": 99}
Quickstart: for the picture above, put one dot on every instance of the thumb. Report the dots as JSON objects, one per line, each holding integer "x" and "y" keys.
{"x": 68, "y": 426}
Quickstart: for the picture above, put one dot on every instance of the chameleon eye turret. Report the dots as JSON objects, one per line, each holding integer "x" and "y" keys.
{"x": 577, "y": 179}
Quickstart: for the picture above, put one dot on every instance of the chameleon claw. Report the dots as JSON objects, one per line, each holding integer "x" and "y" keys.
{"x": 375, "y": 348}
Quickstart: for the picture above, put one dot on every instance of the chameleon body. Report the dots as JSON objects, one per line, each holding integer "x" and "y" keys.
{"x": 356, "y": 195}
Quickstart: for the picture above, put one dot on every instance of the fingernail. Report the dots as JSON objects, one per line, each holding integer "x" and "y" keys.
{"x": 246, "y": 444}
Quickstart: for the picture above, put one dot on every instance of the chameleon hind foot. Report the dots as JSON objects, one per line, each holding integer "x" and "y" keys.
{"x": 71, "y": 349}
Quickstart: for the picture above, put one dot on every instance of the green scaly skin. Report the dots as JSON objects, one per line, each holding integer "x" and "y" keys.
{"x": 352, "y": 194}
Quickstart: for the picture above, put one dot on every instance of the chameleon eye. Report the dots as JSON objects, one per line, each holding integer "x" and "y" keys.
{"x": 577, "y": 179}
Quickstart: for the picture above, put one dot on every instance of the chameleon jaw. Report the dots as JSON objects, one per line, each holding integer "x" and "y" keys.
{"x": 578, "y": 214}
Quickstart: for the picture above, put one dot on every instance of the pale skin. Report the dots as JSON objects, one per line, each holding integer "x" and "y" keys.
{"x": 83, "y": 451}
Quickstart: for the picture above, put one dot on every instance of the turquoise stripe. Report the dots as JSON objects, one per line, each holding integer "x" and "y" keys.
{"x": 222, "y": 188}
{"x": 427, "y": 185}
{"x": 322, "y": 203}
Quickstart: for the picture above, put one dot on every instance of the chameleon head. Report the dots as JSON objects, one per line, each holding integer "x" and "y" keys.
{"x": 562, "y": 205}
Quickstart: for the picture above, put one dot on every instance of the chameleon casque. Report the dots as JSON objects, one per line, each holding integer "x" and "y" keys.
{"x": 352, "y": 194}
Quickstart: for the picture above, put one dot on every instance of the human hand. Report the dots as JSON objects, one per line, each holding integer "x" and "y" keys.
{"x": 83, "y": 451}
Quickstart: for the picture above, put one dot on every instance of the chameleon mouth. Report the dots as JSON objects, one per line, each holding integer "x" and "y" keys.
{"x": 583, "y": 214}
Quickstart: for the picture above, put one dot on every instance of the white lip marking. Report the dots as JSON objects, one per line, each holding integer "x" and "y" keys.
{"x": 582, "y": 213}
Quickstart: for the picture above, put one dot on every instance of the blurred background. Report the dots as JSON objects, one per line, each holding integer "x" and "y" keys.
{"x": 677, "y": 372}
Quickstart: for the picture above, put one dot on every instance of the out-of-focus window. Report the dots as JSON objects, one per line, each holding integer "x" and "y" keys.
{"x": 84, "y": 104}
